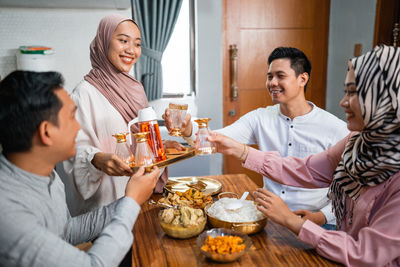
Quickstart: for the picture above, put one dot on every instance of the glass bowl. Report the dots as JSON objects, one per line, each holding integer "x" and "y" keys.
{"x": 222, "y": 232}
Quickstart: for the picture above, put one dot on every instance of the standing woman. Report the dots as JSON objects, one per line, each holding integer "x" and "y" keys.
{"x": 362, "y": 170}
{"x": 107, "y": 99}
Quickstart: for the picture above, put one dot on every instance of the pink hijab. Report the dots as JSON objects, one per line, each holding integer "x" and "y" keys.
{"x": 123, "y": 91}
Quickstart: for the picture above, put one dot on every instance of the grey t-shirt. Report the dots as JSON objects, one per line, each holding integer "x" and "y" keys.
{"x": 36, "y": 228}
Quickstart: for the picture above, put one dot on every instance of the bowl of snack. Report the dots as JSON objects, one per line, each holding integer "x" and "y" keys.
{"x": 223, "y": 245}
{"x": 191, "y": 197}
{"x": 182, "y": 221}
{"x": 247, "y": 219}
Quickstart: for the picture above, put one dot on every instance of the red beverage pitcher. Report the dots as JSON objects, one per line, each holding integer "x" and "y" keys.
{"x": 147, "y": 120}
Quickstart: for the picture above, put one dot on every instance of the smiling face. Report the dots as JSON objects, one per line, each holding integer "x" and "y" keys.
{"x": 125, "y": 46}
{"x": 351, "y": 103}
{"x": 282, "y": 83}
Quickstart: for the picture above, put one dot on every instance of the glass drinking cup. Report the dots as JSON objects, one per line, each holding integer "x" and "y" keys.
{"x": 203, "y": 146}
{"x": 122, "y": 149}
{"x": 177, "y": 113}
{"x": 143, "y": 154}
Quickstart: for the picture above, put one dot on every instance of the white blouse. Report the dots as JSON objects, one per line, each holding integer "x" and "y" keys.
{"x": 87, "y": 187}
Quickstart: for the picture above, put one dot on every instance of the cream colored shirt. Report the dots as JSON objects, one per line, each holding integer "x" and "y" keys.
{"x": 87, "y": 187}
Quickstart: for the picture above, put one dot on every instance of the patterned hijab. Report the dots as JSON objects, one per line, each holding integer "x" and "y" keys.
{"x": 373, "y": 155}
{"x": 123, "y": 91}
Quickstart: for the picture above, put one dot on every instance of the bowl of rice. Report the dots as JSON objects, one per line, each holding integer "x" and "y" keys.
{"x": 247, "y": 219}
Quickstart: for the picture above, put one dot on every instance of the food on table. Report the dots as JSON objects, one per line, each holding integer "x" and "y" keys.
{"x": 247, "y": 213}
{"x": 223, "y": 245}
{"x": 183, "y": 216}
{"x": 191, "y": 197}
{"x": 182, "y": 222}
{"x": 227, "y": 244}
{"x": 200, "y": 186}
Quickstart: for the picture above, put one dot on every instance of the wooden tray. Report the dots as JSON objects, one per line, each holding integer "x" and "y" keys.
{"x": 171, "y": 159}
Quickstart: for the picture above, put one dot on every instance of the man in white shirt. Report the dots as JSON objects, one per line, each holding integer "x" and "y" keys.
{"x": 294, "y": 127}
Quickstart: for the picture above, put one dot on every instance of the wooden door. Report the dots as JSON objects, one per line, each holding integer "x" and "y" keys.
{"x": 256, "y": 27}
{"x": 387, "y": 20}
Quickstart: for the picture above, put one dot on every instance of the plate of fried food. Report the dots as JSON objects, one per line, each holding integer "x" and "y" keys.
{"x": 191, "y": 197}
{"x": 207, "y": 186}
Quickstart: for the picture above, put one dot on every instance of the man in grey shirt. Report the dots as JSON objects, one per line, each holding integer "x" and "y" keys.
{"x": 38, "y": 130}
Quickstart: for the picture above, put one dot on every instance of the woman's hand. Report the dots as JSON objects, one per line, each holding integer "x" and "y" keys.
{"x": 227, "y": 146}
{"x": 140, "y": 186}
{"x": 276, "y": 210}
{"x": 186, "y": 129}
{"x": 173, "y": 144}
{"x": 111, "y": 164}
{"x": 316, "y": 217}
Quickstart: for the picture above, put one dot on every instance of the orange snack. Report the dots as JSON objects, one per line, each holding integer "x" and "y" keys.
{"x": 223, "y": 244}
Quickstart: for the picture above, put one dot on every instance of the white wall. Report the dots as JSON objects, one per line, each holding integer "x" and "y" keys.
{"x": 209, "y": 54}
{"x": 351, "y": 22}
{"x": 68, "y": 31}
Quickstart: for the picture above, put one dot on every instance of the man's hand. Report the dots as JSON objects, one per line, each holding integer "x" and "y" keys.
{"x": 186, "y": 129}
{"x": 276, "y": 210}
{"x": 316, "y": 217}
{"x": 140, "y": 186}
{"x": 226, "y": 145}
{"x": 111, "y": 164}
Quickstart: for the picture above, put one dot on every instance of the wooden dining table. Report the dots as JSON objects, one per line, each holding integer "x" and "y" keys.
{"x": 273, "y": 246}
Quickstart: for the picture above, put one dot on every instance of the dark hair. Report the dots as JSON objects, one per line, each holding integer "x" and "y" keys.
{"x": 26, "y": 100}
{"x": 298, "y": 60}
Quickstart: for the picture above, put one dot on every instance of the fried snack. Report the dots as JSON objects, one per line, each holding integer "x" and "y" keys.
{"x": 191, "y": 197}
{"x": 183, "y": 216}
{"x": 223, "y": 244}
{"x": 182, "y": 222}
{"x": 199, "y": 185}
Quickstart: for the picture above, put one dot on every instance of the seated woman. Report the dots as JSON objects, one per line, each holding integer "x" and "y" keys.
{"x": 107, "y": 99}
{"x": 362, "y": 170}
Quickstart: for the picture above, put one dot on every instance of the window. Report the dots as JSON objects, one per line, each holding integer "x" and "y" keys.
{"x": 178, "y": 63}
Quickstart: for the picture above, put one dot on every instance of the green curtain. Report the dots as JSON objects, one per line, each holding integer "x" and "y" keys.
{"x": 156, "y": 20}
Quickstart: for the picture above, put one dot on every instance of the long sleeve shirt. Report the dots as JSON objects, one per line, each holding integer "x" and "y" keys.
{"x": 37, "y": 229}
{"x": 373, "y": 237}
{"x": 308, "y": 134}
{"x": 87, "y": 187}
